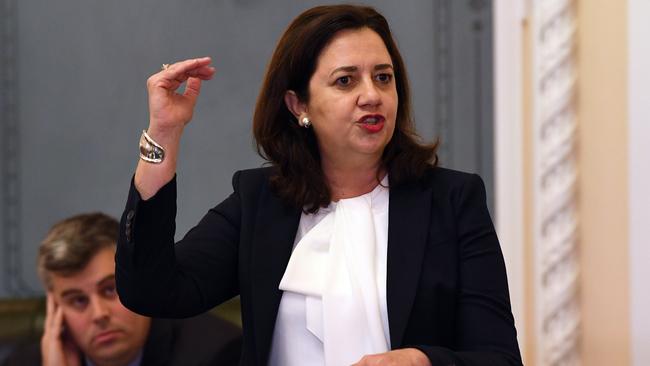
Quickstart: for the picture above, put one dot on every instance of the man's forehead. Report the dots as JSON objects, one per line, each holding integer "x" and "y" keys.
{"x": 64, "y": 285}
{"x": 98, "y": 268}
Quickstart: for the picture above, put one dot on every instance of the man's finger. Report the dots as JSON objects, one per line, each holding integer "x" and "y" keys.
{"x": 57, "y": 321}
{"x": 49, "y": 310}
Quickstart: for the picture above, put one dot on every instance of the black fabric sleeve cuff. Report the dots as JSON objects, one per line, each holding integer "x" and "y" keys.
{"x": 145, "y": 244}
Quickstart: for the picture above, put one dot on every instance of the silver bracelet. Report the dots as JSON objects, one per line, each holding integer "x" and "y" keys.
{"x": 150, "y": 150}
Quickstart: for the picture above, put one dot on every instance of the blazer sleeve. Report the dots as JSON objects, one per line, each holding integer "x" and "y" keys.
{"x": 158, "y": 278}
{"x": 485, "y": 332}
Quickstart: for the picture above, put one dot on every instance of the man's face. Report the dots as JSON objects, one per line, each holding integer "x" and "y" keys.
{"x": 94, "y": 317}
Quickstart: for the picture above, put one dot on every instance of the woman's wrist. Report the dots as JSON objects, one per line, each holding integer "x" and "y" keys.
{"x": 150, "y": 177}
{"x": 167, "y": 137}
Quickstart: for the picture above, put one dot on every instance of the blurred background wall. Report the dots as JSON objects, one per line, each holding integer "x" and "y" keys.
{"x": 74, "y": 100}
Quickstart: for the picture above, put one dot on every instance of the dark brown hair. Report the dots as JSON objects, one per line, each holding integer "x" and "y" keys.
{"x": 72, "y": 243}
{"x": 298, "y": 178}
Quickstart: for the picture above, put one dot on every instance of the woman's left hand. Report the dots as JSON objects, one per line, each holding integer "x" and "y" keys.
{"x": 402, "y": 357}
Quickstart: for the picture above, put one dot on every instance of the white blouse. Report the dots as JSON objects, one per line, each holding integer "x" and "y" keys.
{"x": 333, "y": 309}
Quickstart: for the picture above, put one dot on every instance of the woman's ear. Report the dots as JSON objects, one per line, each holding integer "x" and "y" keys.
{"x": 294, "y": 105}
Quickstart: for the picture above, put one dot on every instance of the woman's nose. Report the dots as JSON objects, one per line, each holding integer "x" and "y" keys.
{"x": 369, "y": 95}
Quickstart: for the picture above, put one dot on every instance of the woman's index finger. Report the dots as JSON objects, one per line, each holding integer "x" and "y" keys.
{"x": 183, "y": 67}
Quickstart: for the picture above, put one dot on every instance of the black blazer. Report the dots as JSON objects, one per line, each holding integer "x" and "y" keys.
{"x": 446, "y": 287}
{"x": 204, "y": 340}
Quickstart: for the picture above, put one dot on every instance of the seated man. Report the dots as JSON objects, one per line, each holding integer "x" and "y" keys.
{"x": 85, "y": 322}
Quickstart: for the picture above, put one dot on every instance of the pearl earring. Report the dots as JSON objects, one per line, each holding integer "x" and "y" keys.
{"x": 305, "y": 122}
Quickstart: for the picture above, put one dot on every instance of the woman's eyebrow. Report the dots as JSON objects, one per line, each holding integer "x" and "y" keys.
{"x": 354, "y": 68}
{"x": 344, "y": 68}
{"x": 383, "y": 66}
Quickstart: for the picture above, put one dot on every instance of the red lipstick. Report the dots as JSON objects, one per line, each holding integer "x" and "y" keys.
{"x": 372, "y": 122}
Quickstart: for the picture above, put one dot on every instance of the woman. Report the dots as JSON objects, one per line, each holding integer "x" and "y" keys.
{"x": 352, "y": 247}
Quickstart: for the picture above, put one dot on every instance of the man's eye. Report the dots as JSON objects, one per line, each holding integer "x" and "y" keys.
{"x": 78, "y": 302}
{"x": 344, "y": 81}
{"x": 109, "y": 291}
{"x": 384, "y": 78}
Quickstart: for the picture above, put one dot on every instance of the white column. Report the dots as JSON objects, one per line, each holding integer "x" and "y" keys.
{"x": 555, "y": 221}
{"x": 639, "y": 178}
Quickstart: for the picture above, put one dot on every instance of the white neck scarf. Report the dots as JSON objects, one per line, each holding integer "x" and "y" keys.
{"x": 334, "y": 266}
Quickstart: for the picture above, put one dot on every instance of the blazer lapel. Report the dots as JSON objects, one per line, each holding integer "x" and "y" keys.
{"x": 275, "y": 231}
{"x": 408, "y": 216}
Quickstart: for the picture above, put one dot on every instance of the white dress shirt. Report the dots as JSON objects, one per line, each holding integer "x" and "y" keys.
{"x": 333, "y": 309}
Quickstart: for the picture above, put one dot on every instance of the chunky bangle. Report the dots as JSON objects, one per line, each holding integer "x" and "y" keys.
{"x": 150, "y": 150}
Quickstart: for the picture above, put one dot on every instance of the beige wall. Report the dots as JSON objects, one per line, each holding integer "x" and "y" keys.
{"x": 530, "y": 339}
{"x": 603, "y": 184}
{"x": 602, "y": 100}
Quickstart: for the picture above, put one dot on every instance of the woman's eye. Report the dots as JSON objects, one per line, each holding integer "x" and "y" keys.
{"x": 344, "y": 81}
{"x": 384, "y": 78}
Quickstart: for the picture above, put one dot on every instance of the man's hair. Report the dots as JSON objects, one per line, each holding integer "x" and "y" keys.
{"x": 72, "y": 243}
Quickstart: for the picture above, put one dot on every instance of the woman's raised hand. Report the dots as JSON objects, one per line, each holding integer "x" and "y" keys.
{"x": 169, "y": 112}
{"x": 168, "y": 109}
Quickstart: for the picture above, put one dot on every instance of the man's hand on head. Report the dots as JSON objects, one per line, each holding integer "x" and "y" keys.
{"x": 57, "y": 348}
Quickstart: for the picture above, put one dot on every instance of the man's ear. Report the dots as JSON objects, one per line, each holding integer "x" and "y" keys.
{"x": 294, "y": 105}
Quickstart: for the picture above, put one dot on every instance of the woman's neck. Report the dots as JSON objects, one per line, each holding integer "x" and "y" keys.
{"x": 351, "y": 181}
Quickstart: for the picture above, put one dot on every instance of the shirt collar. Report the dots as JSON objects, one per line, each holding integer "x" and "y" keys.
{"x": 136, "y": 361}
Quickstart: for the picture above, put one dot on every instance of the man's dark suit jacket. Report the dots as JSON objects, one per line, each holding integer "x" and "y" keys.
{"x": 446, "y": 287}
{"x": 204, "y": 340}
